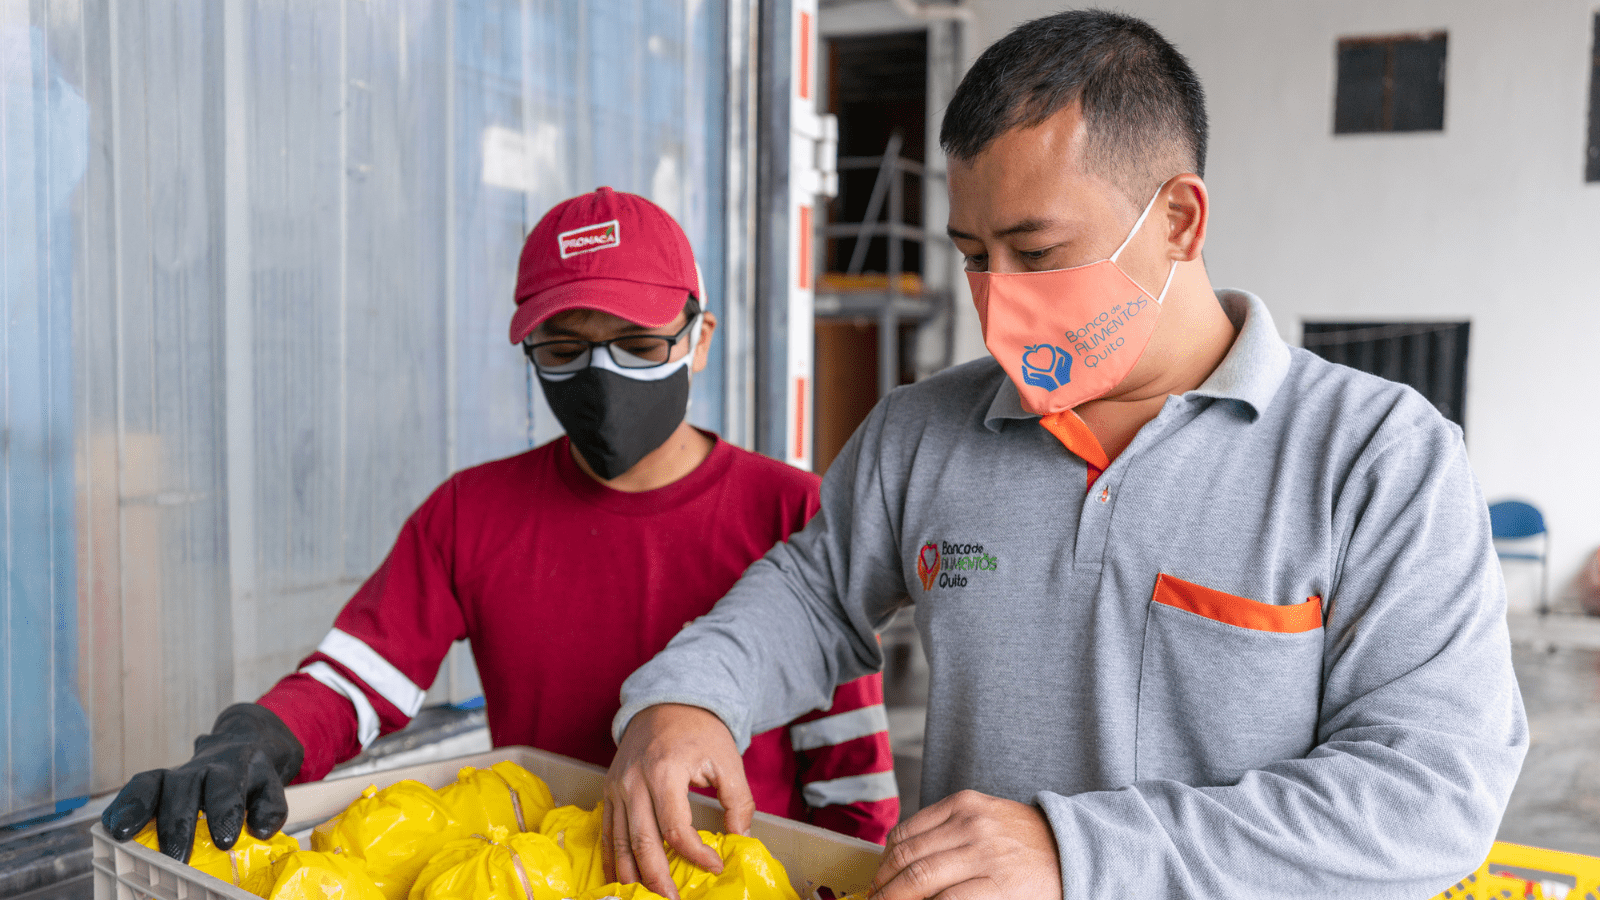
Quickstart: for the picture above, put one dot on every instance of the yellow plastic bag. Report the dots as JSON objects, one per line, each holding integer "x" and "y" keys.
{"x": 232, "y": 866}
{"x": 616, "y": 891}
{"x": 577, "y": 831}
{"x": 504, "y": 795}
{"x": 308, "y": 875}
{"x": 448, "y": 857}
{"x": 393, "y": 831}
{"x": 498, "y": 866}
{"x": 749, "y": 872}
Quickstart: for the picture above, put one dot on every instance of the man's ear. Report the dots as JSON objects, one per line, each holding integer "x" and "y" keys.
{"x": 1188, "y": 214}
{"x": 708, "y": 327}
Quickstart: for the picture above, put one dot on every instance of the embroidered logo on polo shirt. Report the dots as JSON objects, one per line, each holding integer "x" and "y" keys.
{"x": 589, "y": 239}
{"x": 948, "y": 565}
{"x": 928, "y": 562}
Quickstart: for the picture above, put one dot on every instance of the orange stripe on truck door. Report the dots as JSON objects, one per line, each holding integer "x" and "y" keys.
{"x": 805, "y": 55}
{"x": 800, "y": 417}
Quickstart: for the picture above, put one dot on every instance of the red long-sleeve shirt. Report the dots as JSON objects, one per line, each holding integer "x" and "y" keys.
{"x": 564, "y": 586}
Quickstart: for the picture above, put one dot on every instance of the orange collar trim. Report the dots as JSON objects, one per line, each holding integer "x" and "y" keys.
{"x": 1076, "y": 437}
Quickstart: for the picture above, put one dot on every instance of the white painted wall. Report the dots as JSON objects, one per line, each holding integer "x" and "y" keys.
{"x": 1488, "y": 221}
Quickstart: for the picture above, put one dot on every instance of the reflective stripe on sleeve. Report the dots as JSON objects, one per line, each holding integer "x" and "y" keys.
{"x": 368, "y": 665}
{"x": 853, "y": 789}
{"x": 846, "y": 726}
{"x": 366, "y": 716}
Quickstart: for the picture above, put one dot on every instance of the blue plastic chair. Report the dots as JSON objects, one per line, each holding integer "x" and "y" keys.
{"x": 1514, "y": 520}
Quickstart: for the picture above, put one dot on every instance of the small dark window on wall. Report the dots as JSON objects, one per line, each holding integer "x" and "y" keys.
{"x": 1592, "y": 169}
{"x": 1429, "y": 356}
{"x": 1390, "y": 84}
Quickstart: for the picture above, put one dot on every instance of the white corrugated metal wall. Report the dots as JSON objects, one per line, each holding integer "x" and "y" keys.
{"x": 288, "y": 280}
{"x": 43, "y": 146}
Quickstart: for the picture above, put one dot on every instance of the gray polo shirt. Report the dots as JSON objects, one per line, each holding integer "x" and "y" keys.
{"x": 1265, "y": 656}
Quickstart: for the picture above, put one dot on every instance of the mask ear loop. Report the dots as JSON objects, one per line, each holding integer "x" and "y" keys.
{"x": 694, "y": 334}
{"x": 1171, "y": 270}
{"x": 700, "y": 300}
{"x": 694, "y": 341}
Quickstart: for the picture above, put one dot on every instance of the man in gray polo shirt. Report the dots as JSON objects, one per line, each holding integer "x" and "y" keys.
{"x": 1263, "y": 655}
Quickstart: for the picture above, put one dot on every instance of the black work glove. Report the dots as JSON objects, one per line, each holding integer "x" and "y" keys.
{"x": 240, "y": 767}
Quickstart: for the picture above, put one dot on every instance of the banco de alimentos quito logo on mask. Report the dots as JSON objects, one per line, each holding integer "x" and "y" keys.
{"x": 947, "y": 565}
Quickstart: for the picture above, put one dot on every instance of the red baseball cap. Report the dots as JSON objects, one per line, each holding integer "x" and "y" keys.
{"x": 611, "y": 251}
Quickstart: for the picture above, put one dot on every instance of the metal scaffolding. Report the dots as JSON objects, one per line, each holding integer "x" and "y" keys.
{"x": 898, "y": 296}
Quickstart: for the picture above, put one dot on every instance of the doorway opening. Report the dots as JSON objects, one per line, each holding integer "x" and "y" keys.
{"x": 870, "y": 296}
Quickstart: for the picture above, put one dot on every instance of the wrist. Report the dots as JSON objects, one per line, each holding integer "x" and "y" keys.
{"x": 262, "y": 728}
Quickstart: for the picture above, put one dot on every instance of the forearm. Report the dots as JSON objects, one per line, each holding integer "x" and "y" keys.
{"x": 367, "y": 677}
{"x": 1391, "y": 813}
{"x": 867, "y": 820}
{"x": 322, "y": 721}
{"x": 765, "y": 655}
{"x": 846, "y": 763}
{"x": 802, "y": 620}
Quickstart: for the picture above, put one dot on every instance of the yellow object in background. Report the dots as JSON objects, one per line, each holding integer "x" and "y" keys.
{"x": 577, "y": 831}
{"x": 309, "y": 875}
{"x": 393, "y": 831}
{"x": 748, "y": 872}
{"x": 498, "y": 866}
{"x": 1529, "y": 873}
{"x": 504, "y": 795}
{"x": 232, "y": 866}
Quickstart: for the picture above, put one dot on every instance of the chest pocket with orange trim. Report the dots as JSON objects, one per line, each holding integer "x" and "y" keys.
{"x": 1238, "y": 611}
{"x": 1226, "y": 684}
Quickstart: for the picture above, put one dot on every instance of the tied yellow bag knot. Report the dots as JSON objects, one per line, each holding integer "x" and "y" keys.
{"x": 749, "y": 872}
{"x": 233, "y": 865}
{"x": 577, "y": 832}
{"x": 500, "y": 865}
{"x": 309, "y": 875}
{"x": 393, "y": 832}
{"x": 504, "y": 795}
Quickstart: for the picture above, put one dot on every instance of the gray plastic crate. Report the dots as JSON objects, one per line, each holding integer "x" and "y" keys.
{"x": 812, "y": 856}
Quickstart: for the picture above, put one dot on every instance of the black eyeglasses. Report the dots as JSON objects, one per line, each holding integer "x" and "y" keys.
{"x": 633, "y": 351}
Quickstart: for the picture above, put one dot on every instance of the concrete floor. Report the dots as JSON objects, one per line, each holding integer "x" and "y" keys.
{"x": 1556, "y": 803}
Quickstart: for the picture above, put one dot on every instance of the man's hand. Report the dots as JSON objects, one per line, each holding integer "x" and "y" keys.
{"x": 971, "y": 846}
{"x": 237, "y": 775}
{"x": 666, "y": 750}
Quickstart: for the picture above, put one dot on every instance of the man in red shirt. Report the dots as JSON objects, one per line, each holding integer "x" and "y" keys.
{"x": 566, "y": 567}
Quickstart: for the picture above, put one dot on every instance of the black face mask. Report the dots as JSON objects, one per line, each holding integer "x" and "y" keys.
{"x": 614, "y": 420}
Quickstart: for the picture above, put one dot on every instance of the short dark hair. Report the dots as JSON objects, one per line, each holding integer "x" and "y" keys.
{"x": 1143, "y": 108}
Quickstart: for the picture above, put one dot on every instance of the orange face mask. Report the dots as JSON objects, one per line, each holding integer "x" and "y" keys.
{"x": 1067, "y": 336}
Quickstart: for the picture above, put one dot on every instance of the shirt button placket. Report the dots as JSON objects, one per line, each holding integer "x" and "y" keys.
{"x": 1093, "y": 526}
